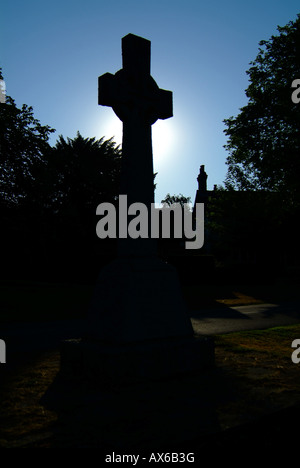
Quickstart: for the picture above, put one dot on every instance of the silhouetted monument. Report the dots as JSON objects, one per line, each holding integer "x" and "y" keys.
{"x": 202, "y": 180}
{"x": 138, "y": 102}
{"x": 138, "y": 324}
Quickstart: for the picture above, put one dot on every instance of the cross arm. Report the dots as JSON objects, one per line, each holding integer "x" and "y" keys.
{"x": 106, "y": 90}
{"x": 164, "y": 105}
{"x": 123, "y": 92}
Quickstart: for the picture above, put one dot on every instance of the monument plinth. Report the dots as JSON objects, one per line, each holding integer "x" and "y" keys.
{"x": 138, "y": 324}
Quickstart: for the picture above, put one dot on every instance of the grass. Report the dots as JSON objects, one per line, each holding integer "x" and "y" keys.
{"x": 258, "y": 366}
{"x": 267, "y": 377}
{"x": 23, "y": 418}
{"x": 270, "y": 349}
{"x": 260, "y": 375}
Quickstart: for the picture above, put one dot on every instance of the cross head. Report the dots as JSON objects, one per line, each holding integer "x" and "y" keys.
{"x": 132, "y": 90}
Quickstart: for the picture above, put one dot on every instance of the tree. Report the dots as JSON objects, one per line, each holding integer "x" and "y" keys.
{"x": 244, "y": 227}
{"x": 23, "y": 141}
{"x": 264, "y": 139}
{"x": 78, "y": 174}
{"x": 2, "y": 88}
{"x": 81, "y": 173}
{"x": 49, "y": 195}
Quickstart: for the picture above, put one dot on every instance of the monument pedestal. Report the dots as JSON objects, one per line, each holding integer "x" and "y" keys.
{"x": 146, "y": 397}
{"x": 134, "y": 363}
{"x": 138, "y": 298}
{"x": 138, "y": 329}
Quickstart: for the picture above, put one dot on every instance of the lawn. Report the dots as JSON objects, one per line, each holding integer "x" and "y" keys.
{"x": 254, "y": 376}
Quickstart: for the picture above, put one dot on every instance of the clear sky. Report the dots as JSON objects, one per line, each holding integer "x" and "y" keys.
{"x": 52, "y": 53}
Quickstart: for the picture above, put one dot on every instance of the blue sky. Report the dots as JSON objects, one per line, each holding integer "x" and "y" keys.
{"x": 52, "y": 53}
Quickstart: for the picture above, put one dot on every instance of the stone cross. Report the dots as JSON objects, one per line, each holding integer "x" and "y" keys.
{"x": 138, "y": 102}
{"x": 138, "y": 325}
{"x": 137, "y": 295}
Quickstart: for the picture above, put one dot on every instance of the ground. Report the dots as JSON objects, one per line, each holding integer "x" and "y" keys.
{"x": 252, "y": 395}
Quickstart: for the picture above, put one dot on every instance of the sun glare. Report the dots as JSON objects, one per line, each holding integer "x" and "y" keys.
{"x": 113, "y": 129}
{"x": 163, "y": 136}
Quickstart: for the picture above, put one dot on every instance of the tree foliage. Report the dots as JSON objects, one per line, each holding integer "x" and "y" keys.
{"x": 23, "y": 142}
{"x": 264, "y": 139}
{"x": 245, "y": 226}
{"x": 81, "y": 173}
{"x": 49, "y": 195}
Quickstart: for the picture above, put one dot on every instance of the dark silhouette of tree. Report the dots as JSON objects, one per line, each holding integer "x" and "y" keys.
{"x": 2, "y": 89}
{"x": 244, "y": 227}
{"x": 167, "y": 247}
{"x": 264, "y": 139}
{"x": 23, "y": 141}
{"x": 81, "y": 173}
{"x": 49, "y": 196}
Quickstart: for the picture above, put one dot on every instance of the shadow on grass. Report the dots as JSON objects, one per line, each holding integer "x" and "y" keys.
{"x": 144, "y": 417}
{"x": 200, "y": 413}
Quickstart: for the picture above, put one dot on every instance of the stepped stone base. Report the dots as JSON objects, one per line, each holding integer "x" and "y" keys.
{"x": 92, "y": 360}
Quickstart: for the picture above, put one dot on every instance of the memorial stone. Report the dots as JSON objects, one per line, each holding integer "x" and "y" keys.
{"x": 138, "y": 325}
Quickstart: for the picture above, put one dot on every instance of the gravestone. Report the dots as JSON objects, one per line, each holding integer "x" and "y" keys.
{"x": 138, "y": 326}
